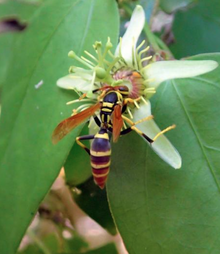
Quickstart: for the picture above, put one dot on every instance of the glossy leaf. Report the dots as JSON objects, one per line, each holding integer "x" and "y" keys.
{"x": 107, "y": 249}
{"x": 17, "y": 10}
{"x": 29, "y": 161}
{"x": 77, "y": 166}
{"x": 161, "y": 210}
{"x": 197, "y": 30}
{"x": 11, "y": 10}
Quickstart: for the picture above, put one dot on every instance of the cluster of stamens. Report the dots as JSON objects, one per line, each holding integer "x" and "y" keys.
{"x": 114, "y": 72}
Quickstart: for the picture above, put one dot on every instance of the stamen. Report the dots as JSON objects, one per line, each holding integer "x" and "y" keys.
{"x": 108, "y": 46}
{"x": 112, "y": 64}
{"x": 98, "y": 48}
{"x": 135, "y": 103}
{"x": 142, "y": 98}
{"x": 124, "y": 125}
{"x": 142, "y": 43}
{"x": 143, "y": 51}
{"x": 110, "y": 54}
{"x": 83, "y": 107}
{"x": 86, "y": 60}
{"x": 130, "y": 114}
{"x": 90, "y": 122}
{"x": 120, "y": 46}
{"x": 90, "y": 55}
{"x": 78, "y": 100}
{"x": 71, "y": 54}
{"x": 145, "y": 59}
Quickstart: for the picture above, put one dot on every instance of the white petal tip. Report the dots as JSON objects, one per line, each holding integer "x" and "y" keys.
{"x": 165, "y": 70}
{"x": 139, "y": 7}
{"x": 179, "y": 165}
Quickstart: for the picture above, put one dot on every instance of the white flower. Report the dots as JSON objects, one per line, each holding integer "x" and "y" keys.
{"x": 142, "y": 77}
{"x": 153, "y": 75}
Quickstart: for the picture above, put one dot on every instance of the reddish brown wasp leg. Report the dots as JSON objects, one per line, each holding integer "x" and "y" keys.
{"x": 165, "y": 130}
{"x": 86, "y": 137}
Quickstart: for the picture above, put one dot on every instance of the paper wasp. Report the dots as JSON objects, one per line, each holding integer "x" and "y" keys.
{"x": 112, "y": 103}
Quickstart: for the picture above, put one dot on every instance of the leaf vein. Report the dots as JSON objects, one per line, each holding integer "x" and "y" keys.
{"x": 196, "y": 134}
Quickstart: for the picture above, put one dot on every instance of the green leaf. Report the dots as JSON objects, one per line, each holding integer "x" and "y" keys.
{"x": 19, "y": 10}
{"x": 77, "y": 166}
{"x": 107, "y": 249}
{"x": 8, "y": 10}
{"x": 93, "y": 201}
{"x": 29, "y": 161}
{"x": 197, "y": 30}
{"x": 161, "y": 210}
{"x": 6, "y": 44}
{"x": 173, "y": 5}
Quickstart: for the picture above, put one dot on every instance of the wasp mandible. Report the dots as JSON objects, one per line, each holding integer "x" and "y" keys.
{"x": 112, "y": 103}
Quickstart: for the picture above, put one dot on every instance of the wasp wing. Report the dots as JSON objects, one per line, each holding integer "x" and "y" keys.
{"x": 64, "y": 127}
{"x": 117, "y": 122}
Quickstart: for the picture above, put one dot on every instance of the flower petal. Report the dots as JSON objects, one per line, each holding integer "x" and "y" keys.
{"x": 162, "y": 145}
{"x": 130, "y": 38}
{"x": 75, "y": 82}
{"x": 163, "y": 70}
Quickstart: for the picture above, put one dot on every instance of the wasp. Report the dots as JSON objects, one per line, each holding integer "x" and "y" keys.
{"x": 112, "y": 103}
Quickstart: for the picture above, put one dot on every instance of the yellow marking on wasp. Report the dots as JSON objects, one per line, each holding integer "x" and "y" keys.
{"x": 96, "y": 166}
{"x": 107, "y": 104}
{"x": 107, "y": 110}
{"x": 104, "y": 136}
{"x": 101, "y": 175}
{"x": 103, "y": 118}
{"x": 100, "y": 154}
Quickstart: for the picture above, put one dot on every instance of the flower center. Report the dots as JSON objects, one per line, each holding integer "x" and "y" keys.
{"x": 132, "y": 79}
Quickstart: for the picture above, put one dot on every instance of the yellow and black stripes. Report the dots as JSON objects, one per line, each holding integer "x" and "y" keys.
{"x": 100, "y": 153}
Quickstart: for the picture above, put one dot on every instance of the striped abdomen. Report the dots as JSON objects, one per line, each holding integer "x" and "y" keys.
{"x": 100, "y": 153}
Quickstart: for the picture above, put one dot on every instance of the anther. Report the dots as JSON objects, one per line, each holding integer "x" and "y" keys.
{"x": 71, "y": 54}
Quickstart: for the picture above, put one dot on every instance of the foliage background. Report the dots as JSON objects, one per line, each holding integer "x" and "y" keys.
{"x": 156, "y": 209}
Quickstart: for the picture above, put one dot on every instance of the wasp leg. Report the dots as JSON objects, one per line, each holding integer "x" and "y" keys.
{"x": 133, "y": 128}
{"x": 165, "y": 130}
{"x": 127, "y": 100}
{"x": 139, "y": 121}
{"x": 97, "y": 121}
{"x": 129, "y": 129}
{"x": 86, "y": 137}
